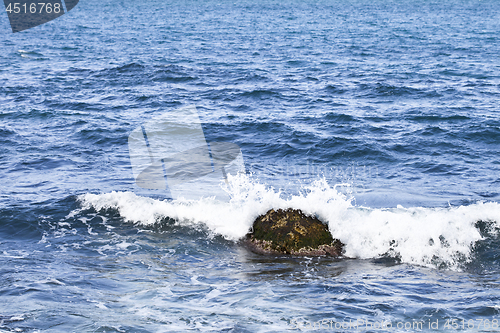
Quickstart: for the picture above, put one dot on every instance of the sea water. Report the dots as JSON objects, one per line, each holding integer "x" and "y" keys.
{"x": 381, "y": 118}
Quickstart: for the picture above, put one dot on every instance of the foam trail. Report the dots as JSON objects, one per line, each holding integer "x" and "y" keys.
{"x": 424, "y": 236}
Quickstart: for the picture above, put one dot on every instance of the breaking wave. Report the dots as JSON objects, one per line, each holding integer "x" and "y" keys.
{"x": 434, "y": 237}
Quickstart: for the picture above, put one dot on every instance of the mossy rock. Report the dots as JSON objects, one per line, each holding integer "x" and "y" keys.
{"x": 291, "y": 232}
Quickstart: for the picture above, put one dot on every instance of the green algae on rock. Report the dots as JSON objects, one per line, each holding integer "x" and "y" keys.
{"x": 291, "y": 232}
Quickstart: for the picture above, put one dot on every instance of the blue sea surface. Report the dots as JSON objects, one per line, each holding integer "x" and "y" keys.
{"x": 380, "y": 117}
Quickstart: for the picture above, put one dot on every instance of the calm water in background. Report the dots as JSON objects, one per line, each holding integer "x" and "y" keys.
{"x": 396, "y": 99}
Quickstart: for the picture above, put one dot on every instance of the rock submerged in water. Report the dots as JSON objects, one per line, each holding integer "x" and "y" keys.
{"x": 291, "y": 232}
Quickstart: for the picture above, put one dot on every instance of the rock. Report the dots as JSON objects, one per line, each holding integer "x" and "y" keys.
{"x": 291, "y": 232}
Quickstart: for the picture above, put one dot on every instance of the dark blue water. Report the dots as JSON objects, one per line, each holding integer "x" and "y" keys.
{"x": 380, "y": 117}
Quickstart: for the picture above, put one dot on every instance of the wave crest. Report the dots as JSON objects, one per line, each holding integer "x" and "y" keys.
{"x": 417, "y": 235}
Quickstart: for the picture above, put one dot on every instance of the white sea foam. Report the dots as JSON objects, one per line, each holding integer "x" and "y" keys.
{"x": 417, "y": 235}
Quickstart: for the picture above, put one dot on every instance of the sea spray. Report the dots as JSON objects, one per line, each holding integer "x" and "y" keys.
{"x": 442, "y": 237}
